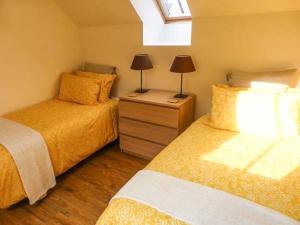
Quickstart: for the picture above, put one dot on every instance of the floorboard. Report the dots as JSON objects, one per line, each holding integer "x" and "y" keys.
{"x": 81, "y": 194}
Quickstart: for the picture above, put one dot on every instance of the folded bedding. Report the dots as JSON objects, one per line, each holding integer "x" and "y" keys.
{"x": 197, "y": 204}
{"x": 30, "y": 153}
{"x": 264, "y": 170}
{"x": 71, "y": 131}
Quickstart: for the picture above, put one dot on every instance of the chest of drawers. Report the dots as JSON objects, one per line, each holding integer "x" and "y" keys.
{"x": 149, "y": 122}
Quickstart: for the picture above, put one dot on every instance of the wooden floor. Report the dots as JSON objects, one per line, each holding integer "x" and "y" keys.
{"x": 81, "y": 194}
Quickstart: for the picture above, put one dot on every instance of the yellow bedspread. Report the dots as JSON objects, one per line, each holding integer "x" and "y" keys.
{"x": 72, "y": 133}
{"x": 263, "y": 170}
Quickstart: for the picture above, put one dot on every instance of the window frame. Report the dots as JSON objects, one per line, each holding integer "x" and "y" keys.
{"x": 168, "y": 19}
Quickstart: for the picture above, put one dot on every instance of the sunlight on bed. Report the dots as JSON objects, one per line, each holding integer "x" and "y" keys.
{"x": 270, "y": 132}
{"x": 232, "y": 154}
{"x": 271, "y": 159}
{"x": 282, "y": 159}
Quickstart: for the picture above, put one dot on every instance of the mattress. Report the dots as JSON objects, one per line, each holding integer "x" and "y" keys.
{"x": 72, "y": 133}
{"x": 260, "y": 169}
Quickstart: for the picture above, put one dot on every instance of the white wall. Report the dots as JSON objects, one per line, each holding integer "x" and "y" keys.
{"x": 176, "y": 34}
{"x": 255, "y": 42}
{"x": 38, "y": 42}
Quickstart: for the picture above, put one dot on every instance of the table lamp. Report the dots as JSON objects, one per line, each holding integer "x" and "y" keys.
{"x": 141, "y": 62}
{"x": 182, "y": 64}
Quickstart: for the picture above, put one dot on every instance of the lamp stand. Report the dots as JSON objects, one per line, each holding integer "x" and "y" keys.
{"x": 181, "y": 95}
{"x": 141, "y": 90}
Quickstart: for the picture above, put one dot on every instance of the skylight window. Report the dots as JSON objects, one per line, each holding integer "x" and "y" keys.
{"x": 174, "y": 10}
{"x": 159, "y": 29}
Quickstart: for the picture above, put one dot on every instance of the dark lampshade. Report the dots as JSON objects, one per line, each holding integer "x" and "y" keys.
{"x": 183, "y": 64}
{"x": 141, "y": 62}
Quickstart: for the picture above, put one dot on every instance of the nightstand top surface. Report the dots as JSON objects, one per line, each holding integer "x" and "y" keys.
{"x": 158, "y": 97}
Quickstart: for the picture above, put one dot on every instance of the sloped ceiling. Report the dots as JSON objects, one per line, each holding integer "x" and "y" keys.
{"x": 109, "y": 12}
{"x": 99, "y": 12}
{"x": 212, "y": 8}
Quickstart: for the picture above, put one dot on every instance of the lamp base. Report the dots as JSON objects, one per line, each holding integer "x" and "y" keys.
{"x": 180, "y": 96}
{"x": 141, "y": 91}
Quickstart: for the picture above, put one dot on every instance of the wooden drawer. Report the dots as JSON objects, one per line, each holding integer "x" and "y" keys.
{"x": 157, "y": 134}
{"x": 150, "y": 113}
{"x": 138, "y": 147}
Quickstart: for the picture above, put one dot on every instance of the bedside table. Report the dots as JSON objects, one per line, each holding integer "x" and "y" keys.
{"x": 148, "y": 122}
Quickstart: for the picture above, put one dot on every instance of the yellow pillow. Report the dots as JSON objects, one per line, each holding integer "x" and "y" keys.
{"x": 255, "y": 111}
{"x": 106, "y": 80}
{"x": 244, "y": 110}
{"x": 295, "y": 92}
{"x": 79, "y": 89}
{"x": 288, "y": 114}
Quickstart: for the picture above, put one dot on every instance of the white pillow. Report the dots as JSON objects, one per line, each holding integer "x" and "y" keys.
{"x": 287, "y": 77}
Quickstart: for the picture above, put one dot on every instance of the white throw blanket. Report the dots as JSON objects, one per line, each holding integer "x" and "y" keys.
{"x": 196, "y": 204}
{"x": 30, "y": 153}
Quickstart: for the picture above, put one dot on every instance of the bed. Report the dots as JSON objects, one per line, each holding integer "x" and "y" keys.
{"x": 71, "y": 131}
{"x": 260, "y": 169}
